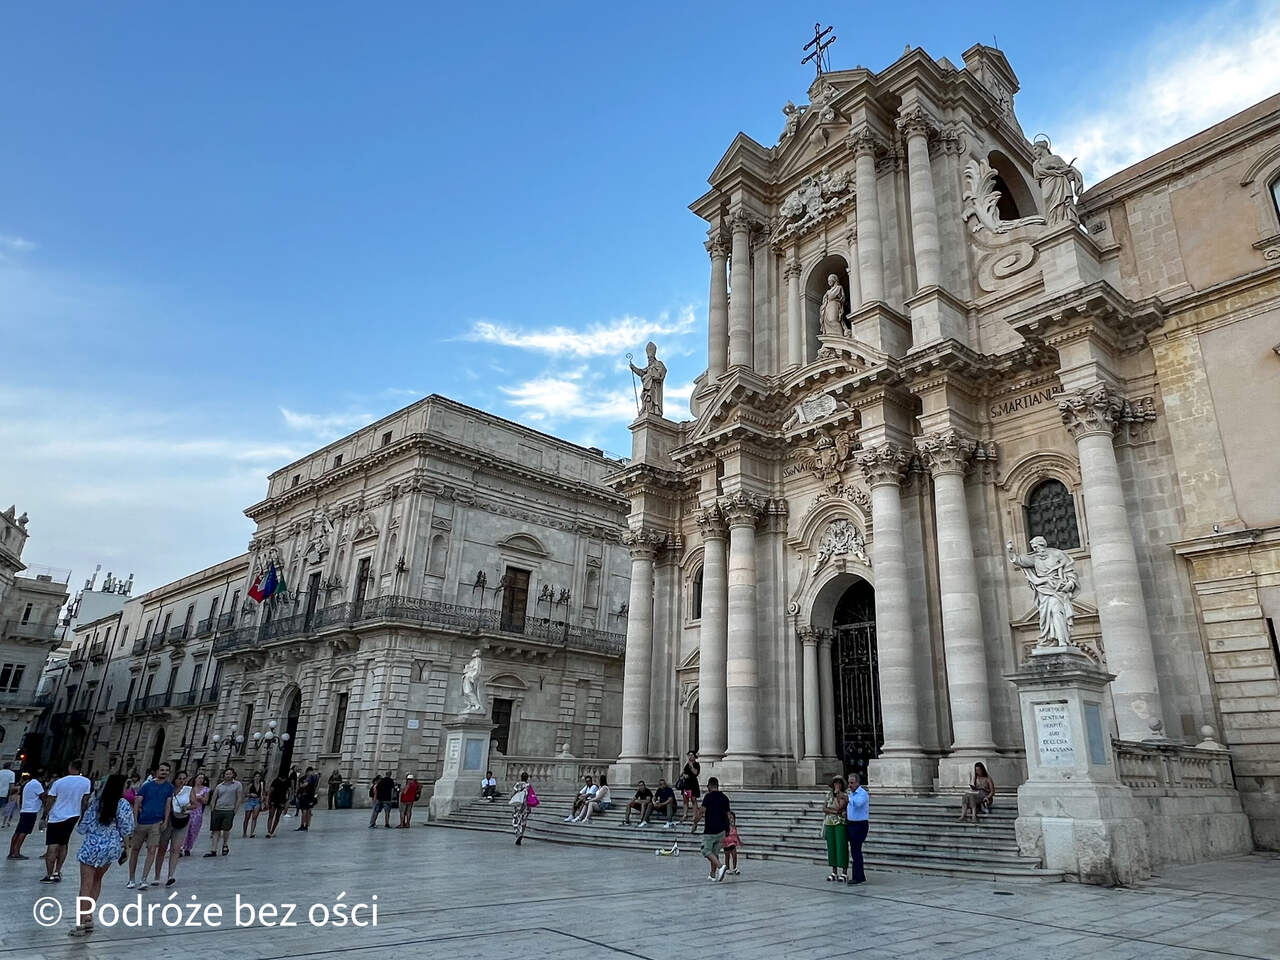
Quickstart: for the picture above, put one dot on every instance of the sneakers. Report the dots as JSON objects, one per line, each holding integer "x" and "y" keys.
{"x": 131, "y": 884}
{"x": 642, "y": 824}
{"x": 668, "y": 825}
{"x": 49, "y": 879}
{"x": 171, "y": 881}
{"x": 568, "y": 819}
{"x": 142, "y": 885}
{"x": 735, "y": 871}
{"x": 721, "y": 872}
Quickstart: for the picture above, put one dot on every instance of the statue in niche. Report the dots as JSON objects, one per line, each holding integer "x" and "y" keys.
{"x": 1060, "y": 183}
{"x": 833, "y": 308}
{"x": 651, "y": 376}
{"x": 472, "y": 685}
{"x": 1051, "y": 573}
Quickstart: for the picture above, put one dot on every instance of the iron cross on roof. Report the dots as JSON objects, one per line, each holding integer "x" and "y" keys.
{"x": 819, "y": 45}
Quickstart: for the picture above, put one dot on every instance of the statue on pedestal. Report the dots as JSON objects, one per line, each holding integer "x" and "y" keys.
{"x": 651, "y": 376}
{"x": 1051, "y": 574}
{"x": 472, "y": 685}
{"x": 1060, "y": 184}
{"x": 833, "y": 308}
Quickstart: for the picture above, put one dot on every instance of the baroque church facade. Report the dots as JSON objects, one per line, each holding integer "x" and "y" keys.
{"x": 926, "y": 347}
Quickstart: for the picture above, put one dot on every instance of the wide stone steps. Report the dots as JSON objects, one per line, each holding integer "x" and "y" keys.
{"x": 908, "y": 833}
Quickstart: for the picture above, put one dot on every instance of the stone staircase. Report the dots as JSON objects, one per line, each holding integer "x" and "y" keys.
{"x": 917, "y": 834}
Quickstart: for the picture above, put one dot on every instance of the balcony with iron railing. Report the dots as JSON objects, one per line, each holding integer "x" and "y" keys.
{"x": 139, "y": 647}
{"x": 157, "y": 701}
{"x": 205, "y": 627}
{"x": 122, "y": 708}
{"x": 19, "y": 698}
{"x": 77, "y": 656}
{"x": 98, "y": 651}
{"x": 431, "y": 613}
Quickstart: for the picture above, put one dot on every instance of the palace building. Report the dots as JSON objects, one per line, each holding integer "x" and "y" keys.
{"x": 926, "y": 346}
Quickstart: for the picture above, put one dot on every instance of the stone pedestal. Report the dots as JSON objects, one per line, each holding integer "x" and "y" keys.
{"x": 937, "y": 315}
{"x": 652, "y": 439}
{"x": 466, "y": 757}
{"x": 1073, "y": 811}
{"x": 627, "y": 773}
{"x": 905, "y": 774}
{"x": 881, "y": 327}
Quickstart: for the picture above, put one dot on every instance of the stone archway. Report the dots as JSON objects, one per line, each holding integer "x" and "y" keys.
{"x": 845, "y": 606}
{"x": 292, "y": 711}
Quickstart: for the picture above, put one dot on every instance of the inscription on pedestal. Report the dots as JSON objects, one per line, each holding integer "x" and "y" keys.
{"x": 1053, "y": 733}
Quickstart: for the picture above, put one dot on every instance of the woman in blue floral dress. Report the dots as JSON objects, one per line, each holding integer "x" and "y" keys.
{"x": 105, "y": 824}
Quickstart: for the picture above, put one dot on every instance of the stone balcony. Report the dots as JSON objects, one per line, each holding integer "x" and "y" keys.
{"x": 471, "y": 621}
{"x": 38, "y": 632}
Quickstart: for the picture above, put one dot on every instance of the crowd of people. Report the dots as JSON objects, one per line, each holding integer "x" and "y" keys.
{"x": 157, "y": 821}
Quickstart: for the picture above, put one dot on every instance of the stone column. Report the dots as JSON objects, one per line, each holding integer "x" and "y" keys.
{"x": 947, "y": 455}
{"x": 916, "y": 125}
{"x": 1091, "y": 417}
{"x": 855, "y": 282}
{"x": 718, "y": 310}
{"x": 795, "y": 316}
{"x": 741, "y": 339}
{"x": 742, "y": 511}
{"x": 812, "y": 694}
{"x": 637, "y": 675}
{"x": 901, "y": 762}
{"x": 870, "y": 258}
{"x": 713, "y": 637}
{"x": 827, "y": 683}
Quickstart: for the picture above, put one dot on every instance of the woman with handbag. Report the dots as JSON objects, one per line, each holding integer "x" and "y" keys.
{"x": 173, "y": 834}
{"x": 523, "y": 799}
{"x": 688, "y": 787}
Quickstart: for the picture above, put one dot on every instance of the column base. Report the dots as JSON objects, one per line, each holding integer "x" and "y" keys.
{"x": 902, "y": 774}
{"x": 955, "y": 772}
{"x": 937, "y": 315}
{"x": 818, "y": 771}
{"x": 744, "y": 772}
{"x": 627, "y": 772}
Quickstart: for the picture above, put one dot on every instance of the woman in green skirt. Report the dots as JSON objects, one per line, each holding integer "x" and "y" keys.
{"x": 834, "y": 831}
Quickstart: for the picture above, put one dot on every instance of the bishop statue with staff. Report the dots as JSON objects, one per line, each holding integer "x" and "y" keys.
{"x": 1051, "y": 573}
{"x": 651, "y": 376}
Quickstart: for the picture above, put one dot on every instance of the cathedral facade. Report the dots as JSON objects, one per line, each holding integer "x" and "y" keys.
{"x": 928, "y": 346}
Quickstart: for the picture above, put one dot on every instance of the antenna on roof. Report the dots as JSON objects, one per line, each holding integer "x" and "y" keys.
{"x": 994, "y": 42}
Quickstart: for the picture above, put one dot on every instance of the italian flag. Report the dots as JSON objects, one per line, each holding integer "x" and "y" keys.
{"x": 267, "y": 583}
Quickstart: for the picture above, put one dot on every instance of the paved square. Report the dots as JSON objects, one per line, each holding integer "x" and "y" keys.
{"x": 454, "y": 893}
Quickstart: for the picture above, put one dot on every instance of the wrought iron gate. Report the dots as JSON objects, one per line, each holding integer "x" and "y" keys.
{"x": 859, "y": 728}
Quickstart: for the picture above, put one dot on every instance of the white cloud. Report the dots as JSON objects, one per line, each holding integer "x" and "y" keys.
{"x": 1190, "y": 79}
{"x": 15, "y": 244}
{"x": 597, "y": 340}
{"x": 575, "y": 395}
{"x": 325, "y": 426}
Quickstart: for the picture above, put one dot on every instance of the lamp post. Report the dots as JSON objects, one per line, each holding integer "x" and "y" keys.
{"x": 230, "y": 742}
{"x": 269, "y": 741}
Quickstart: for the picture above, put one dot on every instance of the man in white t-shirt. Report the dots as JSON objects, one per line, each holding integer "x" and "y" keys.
{"x": 64, "y": 802}
{"x": 32, "y": 804}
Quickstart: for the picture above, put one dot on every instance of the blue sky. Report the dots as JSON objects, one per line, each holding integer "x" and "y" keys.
{"x": 231, "y": 233}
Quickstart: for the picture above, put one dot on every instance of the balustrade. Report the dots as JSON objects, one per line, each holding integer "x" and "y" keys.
{"x": 1169, "y": 767}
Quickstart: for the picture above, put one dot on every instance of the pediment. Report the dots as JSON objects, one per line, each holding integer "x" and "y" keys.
{"x": 523, "y": 543}
{"x": 744, "y": 155}
{"x": 692, "y": 662}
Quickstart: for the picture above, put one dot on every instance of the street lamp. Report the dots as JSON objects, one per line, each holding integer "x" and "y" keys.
{"x": 230, "y": 742}
{"x": 268, "y": 741}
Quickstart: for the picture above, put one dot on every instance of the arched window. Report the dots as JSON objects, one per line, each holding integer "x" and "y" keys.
{"x": 1051, "y": 513}
{"x": 695, "y": 596}
{"x": 1275, "y": 194}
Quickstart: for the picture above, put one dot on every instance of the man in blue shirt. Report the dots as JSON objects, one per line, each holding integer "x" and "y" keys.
{"x": 151, "y": 810}
{"x": 856, "y": 826}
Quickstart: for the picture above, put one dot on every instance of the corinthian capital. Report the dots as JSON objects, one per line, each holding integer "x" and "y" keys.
{"x": 742, "y": 509}
{"x": 864, "y": 142}
{"x": 915, "y": 121}
{"x": 883, "y": 464}
{"x": 642, "y": 543}
{"x": 718, "y": 246}
{"x": 740, "y": 220}
{"x": 946, "y": 452}
{"x": 1089, "y": 412}
{"x": 711, "y": 523}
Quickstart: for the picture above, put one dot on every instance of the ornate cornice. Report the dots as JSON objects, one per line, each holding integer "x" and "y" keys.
{"x": 884, "y": 464}
{"x": 947, "y": 452}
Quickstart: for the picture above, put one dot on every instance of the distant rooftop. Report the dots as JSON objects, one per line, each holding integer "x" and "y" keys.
{"x": 40, "y": 571}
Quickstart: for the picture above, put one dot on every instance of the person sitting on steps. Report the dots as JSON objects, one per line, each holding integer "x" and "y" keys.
{"x": 598, "y": 804}
{"x": 587, "y": 793}
{"x": 664, "y": 802}
{"x": 642, "y": 800}
{"x": 977, "y": 799}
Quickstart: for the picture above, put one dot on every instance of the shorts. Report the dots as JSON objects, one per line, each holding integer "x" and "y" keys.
{"x": 223, "y": 820}
{"x": 174, "y": 835}
{"x": 27, "y": 823}
{"x": 252, "y": 804}
{"x": 58, "y": 834}
{"x": 305, "y": 803}
{"x": 146, "y": 835}
{"x": 712, "y": 844}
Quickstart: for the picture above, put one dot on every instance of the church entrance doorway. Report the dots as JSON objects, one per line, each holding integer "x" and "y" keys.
{"x": 291, "y": 728}
{"x": 859, "y": 727}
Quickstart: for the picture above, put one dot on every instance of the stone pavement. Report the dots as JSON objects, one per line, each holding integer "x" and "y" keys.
{"x": 450, "y": 893}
